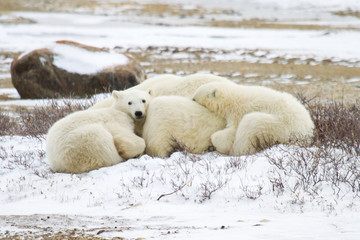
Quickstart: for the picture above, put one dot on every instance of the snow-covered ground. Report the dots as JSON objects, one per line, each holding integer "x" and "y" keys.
{"x": 210, "y": 197}
{"x": 97, "y": 31}
{"x": 185, "y": 196}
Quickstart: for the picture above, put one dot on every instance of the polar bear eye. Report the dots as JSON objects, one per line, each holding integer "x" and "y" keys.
{"x": 143, "y": 101}
{"x": 129, "y": 103}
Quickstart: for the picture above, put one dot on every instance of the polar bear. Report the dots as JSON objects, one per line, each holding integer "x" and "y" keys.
{"x": 174, "y": 121}
{"x": 169, "y": 84}
{"x": 90, "y": 139}
{"x": 256, "y": 117}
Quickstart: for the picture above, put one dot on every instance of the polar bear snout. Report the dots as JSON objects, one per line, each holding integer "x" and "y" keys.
{"x": 139, "y": 115}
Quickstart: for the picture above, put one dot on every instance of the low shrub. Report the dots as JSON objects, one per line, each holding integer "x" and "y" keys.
{"x": 35, "y": 122}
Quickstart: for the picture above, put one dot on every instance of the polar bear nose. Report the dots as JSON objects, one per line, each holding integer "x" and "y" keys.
{"x": 138, "y": 113}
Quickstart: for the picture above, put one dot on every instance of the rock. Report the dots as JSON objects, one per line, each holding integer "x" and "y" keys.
{"x": 72, "y": 69}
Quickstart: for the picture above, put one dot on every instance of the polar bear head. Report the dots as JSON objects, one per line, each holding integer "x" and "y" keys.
{"x": 209, "y": 95}
{"x": 132, "y": 101}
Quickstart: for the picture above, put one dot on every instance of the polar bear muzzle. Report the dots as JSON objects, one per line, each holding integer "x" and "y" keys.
{"x": 139, "y": 115}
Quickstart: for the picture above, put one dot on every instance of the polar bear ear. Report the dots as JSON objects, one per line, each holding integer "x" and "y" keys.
{"x": 151, "y": 92}
{"x": 214, "y": 93}
{"x": 116, "y": 94}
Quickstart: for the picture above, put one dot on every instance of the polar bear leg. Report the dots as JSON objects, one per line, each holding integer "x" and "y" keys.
{"x": 223, "y": 139}
{"x": 87, "y": 148}
{"x": 159, "y": 144}
{"x": 159, "y": 141}
{"x": 129, "y": 145}
{"x": 257, "y": 131}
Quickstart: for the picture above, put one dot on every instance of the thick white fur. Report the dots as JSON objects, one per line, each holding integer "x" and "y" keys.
{"x": 255, "y": 116}
{"x": 178, "y": 121}
{"x": 169, "y": 84}
{"x": 90, "y": 139}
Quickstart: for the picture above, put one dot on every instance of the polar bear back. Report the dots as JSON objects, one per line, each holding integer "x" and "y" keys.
{"x": 182, "y": 86}
{"x": 83, "y": 149}
{"x": 168, "y": 85}
{"x": 81, "y": 142}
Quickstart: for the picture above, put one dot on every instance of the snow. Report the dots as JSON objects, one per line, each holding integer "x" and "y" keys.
{"x": 338, "y": 4}
{"x": 132, "y": 191}
{"x": 140, "y": 196}
{"x": 16, "y": 100}
{"x": 78, "y": 60}
{"x": 11, "y": 92}
{"x": 295, "y": 43}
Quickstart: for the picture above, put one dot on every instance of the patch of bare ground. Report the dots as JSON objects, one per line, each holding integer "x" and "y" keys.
{"x": 348, "y": 12}
{"x": 125, "y": 7}
{"x": 45, "y": 5}
{"x": 5, "y": 83}
{"x": 39, "y": 226}
{"x": 160, "y": 9}
{"x": 54, "y": 236}
{"x": 266, "y": 24}
{"x": 17, "y": 20}
{"x": 78, "y": 227}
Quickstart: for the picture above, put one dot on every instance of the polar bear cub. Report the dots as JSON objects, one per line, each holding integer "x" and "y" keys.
{"x": 174, "y": 121}
{"x": 90, "y": 139}
{"x": 255, "y": 117}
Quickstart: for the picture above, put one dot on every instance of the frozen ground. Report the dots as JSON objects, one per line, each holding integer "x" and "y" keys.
{"x": 185, "y": 196}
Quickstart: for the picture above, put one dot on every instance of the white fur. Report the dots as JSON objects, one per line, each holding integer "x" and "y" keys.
{"x": 169, "y": 84}
{"x": 90, "y": 139}
{"x": 255, "y": 116}
{"x": 174, "y": 121}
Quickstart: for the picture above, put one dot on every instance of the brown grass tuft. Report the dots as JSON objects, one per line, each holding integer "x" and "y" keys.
{"x": 337, "y": 124}
{"x": 36, "y": 122}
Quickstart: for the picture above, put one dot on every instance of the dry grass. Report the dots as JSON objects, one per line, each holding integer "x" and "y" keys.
{"x": 324, "y": 79}
{"x": 162, "y": 9}
{"x": 324, "y": 70}
{"x": 332, "y": 158}
{"x": 323, "y": 73}
{"x": 348, "y": 12}
{"x": 45, "y": 5}
{"x": 72, "y": 234}
{"x": 36, "y": 122}
{"x": 337, "y": 125}
{"x": 125, "y": 7}
{"x": 265, "y": 24}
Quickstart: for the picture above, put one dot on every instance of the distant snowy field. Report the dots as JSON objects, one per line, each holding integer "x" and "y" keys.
{"x": 134, "y": 31}
{"x": 112, "y": 31}
{"x": 185, "y": 196}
